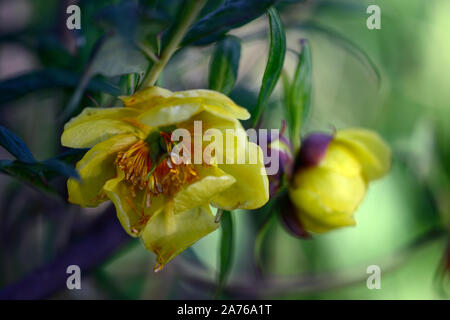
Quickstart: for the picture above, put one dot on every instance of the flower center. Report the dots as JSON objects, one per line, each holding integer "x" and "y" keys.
{"x": 149, "y": 166}
{"x": 136, "y": 164}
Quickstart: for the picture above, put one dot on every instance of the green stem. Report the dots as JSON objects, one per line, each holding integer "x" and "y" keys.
{"x": 218, "y": 215}
{"x": 192, "y": 11}
{"x": 226, "y": 251}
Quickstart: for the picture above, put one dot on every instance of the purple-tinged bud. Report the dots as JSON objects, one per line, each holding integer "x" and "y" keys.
{"x": 313, "y": 149}
{"x": 278, "y": 149}
{"x": 331, "y": 176}
{"x": 290, "y": 220}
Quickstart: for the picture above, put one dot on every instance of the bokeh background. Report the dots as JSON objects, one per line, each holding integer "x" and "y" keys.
{"x": 394, "y": 80}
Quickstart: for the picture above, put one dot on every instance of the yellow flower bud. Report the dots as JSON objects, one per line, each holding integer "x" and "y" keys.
{"x": 332, "y": 176}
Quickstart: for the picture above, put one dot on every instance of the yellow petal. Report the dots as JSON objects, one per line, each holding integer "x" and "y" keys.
{"x": 241, "y": 159}
{"x": 163, "y": 109}
{"x": 133, "y": 211}
{"x": 320, "y": 224}
{"x": 340, "y": 160}
{"x": 170, "y": 113}
{"x": 251, "y": 190}
{"x": 370, "y": 150}
{"x": 96, "y": 167}
{"x": 146, "y": 98}
{"x": 167, "y": 234}
{"x": 199, "y": 193}
{"x": 94, "y": 125}
{"x": 214, "y": 99}
{"x": 326, "y": 199}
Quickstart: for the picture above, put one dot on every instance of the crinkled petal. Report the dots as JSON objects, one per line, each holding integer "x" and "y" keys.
{"x": 167, "y": 234}
{"x": 177, "y": 110}
{"x": 95, "y": 168}
{"x": 213, "y": 181}
{"x": 241, "y": 159}
{"x": 214, "y": 98}
{"x": 163, "y": 109}
{"x": 369, "y": 148}
{"x": 146, "y": 98}
{"x": 94, "y": 125}
{"x": 133, "y": 211}
{"x": 220, "y": 111}
{"x": 170, "y": 114}
{"x": 251, "y": 190}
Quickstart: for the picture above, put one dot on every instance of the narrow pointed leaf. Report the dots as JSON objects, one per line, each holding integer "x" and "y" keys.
{"x": 229, "y": 15}
{"x": 71, "y": 155}
{"x": 224, "y": 65}
{"x": 15, "y": 145}
{"x": 117, "y": 57}
{"x": 26, "y": 173}
{"x": 60, "y": 168}
{"x": 299, "y": 100}
{"x": 275, "y": 62}
{"x": 16, "y": 87}
{"x": 226, "y": 249}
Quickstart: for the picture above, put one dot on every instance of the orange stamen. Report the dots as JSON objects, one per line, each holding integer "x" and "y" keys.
{"x": 166, "y": 178}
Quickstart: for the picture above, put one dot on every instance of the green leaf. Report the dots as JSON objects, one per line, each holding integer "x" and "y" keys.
{"x": 210, "y": 6}
{"x": 38, "y": 174}
{"x": 52, "y": 52}
{"x": 112, "y": 56}
{"x": 27, "y": 173}
{"x": 59, "y": 168}
{"x": 48, "y": 168}
{"x": 71, "y": 155}
{"x": 286, "y": 92}
{"x": 229, "y": 15}
{"x": 299, "y": 99}
{"x": 226, "y": 249}
{"x": 30, "y": 171}
{"x": 15, "y": 145}
{"x": 117, "y": 57}
{"x": 112, "y": 17}
{"x": 277, "y": 52}
{"x": 261, "y": 236}
{"x": 48, "y": 78}
{"x": 27, "y": 163}
{"x": 224, "y": 65}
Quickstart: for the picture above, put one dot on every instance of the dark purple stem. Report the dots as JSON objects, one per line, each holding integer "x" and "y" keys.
{"x": 99, "y": 243}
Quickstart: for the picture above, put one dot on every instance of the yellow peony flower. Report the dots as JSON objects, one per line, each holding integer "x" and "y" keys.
{"x": 332, "y": 176}
{"x": 165, "y": 203}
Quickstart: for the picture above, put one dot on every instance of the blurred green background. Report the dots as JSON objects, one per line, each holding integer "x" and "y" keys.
{"x": 394, "y": 80}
